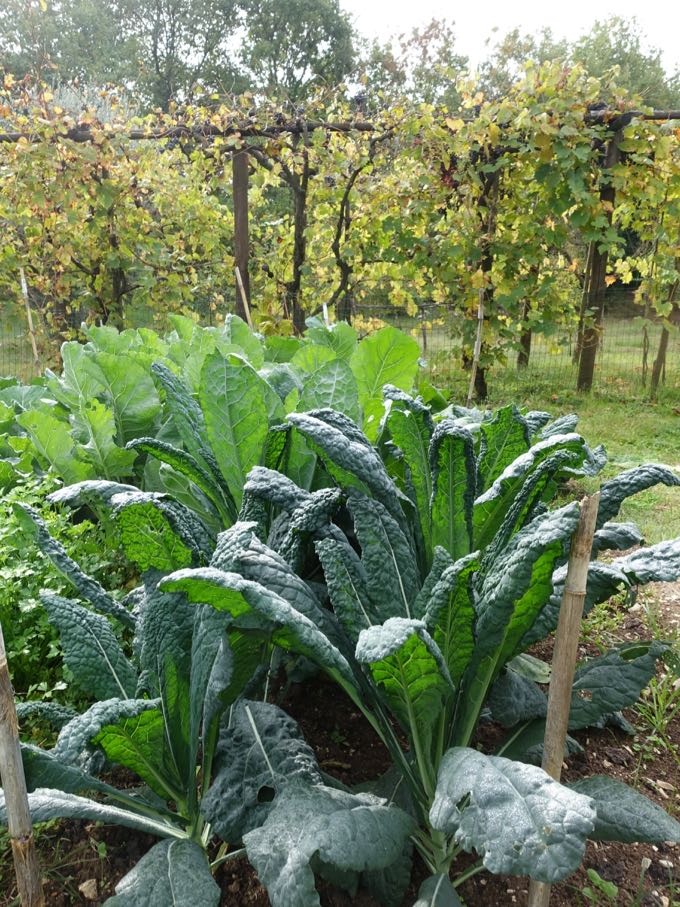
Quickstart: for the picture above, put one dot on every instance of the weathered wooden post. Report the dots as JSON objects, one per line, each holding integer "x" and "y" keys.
{"x": 19, "y": 823}
{"x": 595, "y": 281}
{"x": 239, "y": 179}
{"x": 564, "y": 658}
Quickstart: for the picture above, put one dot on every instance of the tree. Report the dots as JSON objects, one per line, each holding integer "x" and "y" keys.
{"x": 160, "y": 50}
{"x": 616, "y": 42}
{"x": 293, "y": 47}
{"x": 180, "y": 46}
{"x": 505, "y": 66}
{"x": 421, "y": 64}
{"x": 620, "y": 42}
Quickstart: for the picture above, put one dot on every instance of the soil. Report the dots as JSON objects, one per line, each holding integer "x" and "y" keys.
{"x": 83, "y": 861}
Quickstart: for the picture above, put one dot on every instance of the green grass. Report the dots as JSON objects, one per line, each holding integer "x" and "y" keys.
{"x": 633, "y": 431}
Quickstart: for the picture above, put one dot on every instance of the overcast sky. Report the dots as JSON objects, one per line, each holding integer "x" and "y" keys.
{"x": 660, "y": 19}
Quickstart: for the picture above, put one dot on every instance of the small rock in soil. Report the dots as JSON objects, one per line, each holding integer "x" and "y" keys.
{"x": 88, "y": 889}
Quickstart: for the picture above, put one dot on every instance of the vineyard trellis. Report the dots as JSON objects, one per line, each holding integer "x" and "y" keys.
{"x": 467, "y": 209}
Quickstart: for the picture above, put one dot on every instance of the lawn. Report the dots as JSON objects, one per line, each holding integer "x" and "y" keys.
{"x": 616, "y": 413}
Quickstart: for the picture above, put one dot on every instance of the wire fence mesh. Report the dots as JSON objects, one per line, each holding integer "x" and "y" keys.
{"x": 16, "y": 352}
{"x": 625, "y": 357}
{"x": 628, "y": 346}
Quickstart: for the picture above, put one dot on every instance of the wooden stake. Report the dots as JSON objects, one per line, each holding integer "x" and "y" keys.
{"x": 564, "y": 659}
{"x": 478, "y": 348}
{"x": 19, "y": 823}
{"x": 240, "y": 164}
{"x": 29, "y": 317}
{"x": 244, "y": 298}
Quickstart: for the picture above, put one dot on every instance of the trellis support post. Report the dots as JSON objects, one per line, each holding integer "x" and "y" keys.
{"x": 564, "y": 658}
{"x": 241, "y": 234}
{"x": 26, "y": 868}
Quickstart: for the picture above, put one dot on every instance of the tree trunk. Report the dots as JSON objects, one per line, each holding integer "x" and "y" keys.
{"x": 525, "y": 349}
{"x": 597, "y": 284}
{"x": 584, "y": 304}
{"x": 659, "y": 367}
{"x": 487, "y": 201}
{"x": 294, "y": 286}
{"x": 525, "y": 339}
{"x": 239, "y": 182}
{"x": 343, "y": 308}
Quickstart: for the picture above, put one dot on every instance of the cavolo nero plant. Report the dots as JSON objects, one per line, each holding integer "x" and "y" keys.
{"x": 443, "y": 562}
{"x": 171, "y": 684}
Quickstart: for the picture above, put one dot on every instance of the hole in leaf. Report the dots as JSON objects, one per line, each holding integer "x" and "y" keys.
{"x": 266, "y": 794}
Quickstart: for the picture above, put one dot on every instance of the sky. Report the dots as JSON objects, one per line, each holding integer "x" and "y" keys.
{"x": 660, "y": 20}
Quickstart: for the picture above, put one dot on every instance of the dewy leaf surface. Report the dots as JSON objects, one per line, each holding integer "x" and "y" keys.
{"x": 491, "y": 507}
{"x": 611, "y": 682}
{"x": 189, "y": 421}
{"x": 624, "y": 814}
{"x": 511, "y": 594}
{"x": 184, "y": 463}
{"x": 46, "y": 804}
{"x": 165, "y": 658}
{"x": 450, "y": 615}
{"x": 75, "y": 737}
{"x": 410, "y": 425}
{"x": 348, "y": 457}
{"x": 258, "y": 755}
{"x": 347, "y": 585}
{"x": 347, "y": 832}
{"x": 91, "y": 650}
{"x": 158, "y": 532}
{"x": 230, "y": 592}
{"x": 171, "y": 874}
{"x": 503, "y": 439}
{"x": 517, "y": 818}
{"x": 658, "y": 563}
{"x": 614, "y": 492}
{"x": 140, "y": 744}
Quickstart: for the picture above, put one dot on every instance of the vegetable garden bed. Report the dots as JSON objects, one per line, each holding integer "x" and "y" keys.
{"x": 323, "y": 651}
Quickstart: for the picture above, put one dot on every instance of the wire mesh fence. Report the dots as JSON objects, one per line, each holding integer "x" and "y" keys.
{"x": 625, "y": 356}
{"x": 628, "y": 346}
{"x": 16, "y": 352}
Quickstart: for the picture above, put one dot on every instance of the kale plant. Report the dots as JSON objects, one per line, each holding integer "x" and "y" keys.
{"x": 171, "y": 683}
{"x": 443, "y": 563}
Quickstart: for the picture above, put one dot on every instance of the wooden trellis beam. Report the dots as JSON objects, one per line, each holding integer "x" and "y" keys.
{"x": 85, "y": 133}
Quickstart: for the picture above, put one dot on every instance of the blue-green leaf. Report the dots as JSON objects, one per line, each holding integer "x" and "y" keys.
{"x": 258, "y": 755}
{"x": 345, "y": 832}
{"x": 515, "y": 816}
{"x": 388, "y": 559}
{"x": 91, "y": 651}
{"x": 437, "y": 891}
{"x": 615, "y": 491}
{"x": 452, "y": 462}
{"x": 173, "y": 873}
{"x": 624, "y": 814}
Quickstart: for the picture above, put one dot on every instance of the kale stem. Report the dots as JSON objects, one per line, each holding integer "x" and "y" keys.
{"x": 468, "y": 873}
{"x": 226, "y": 857}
